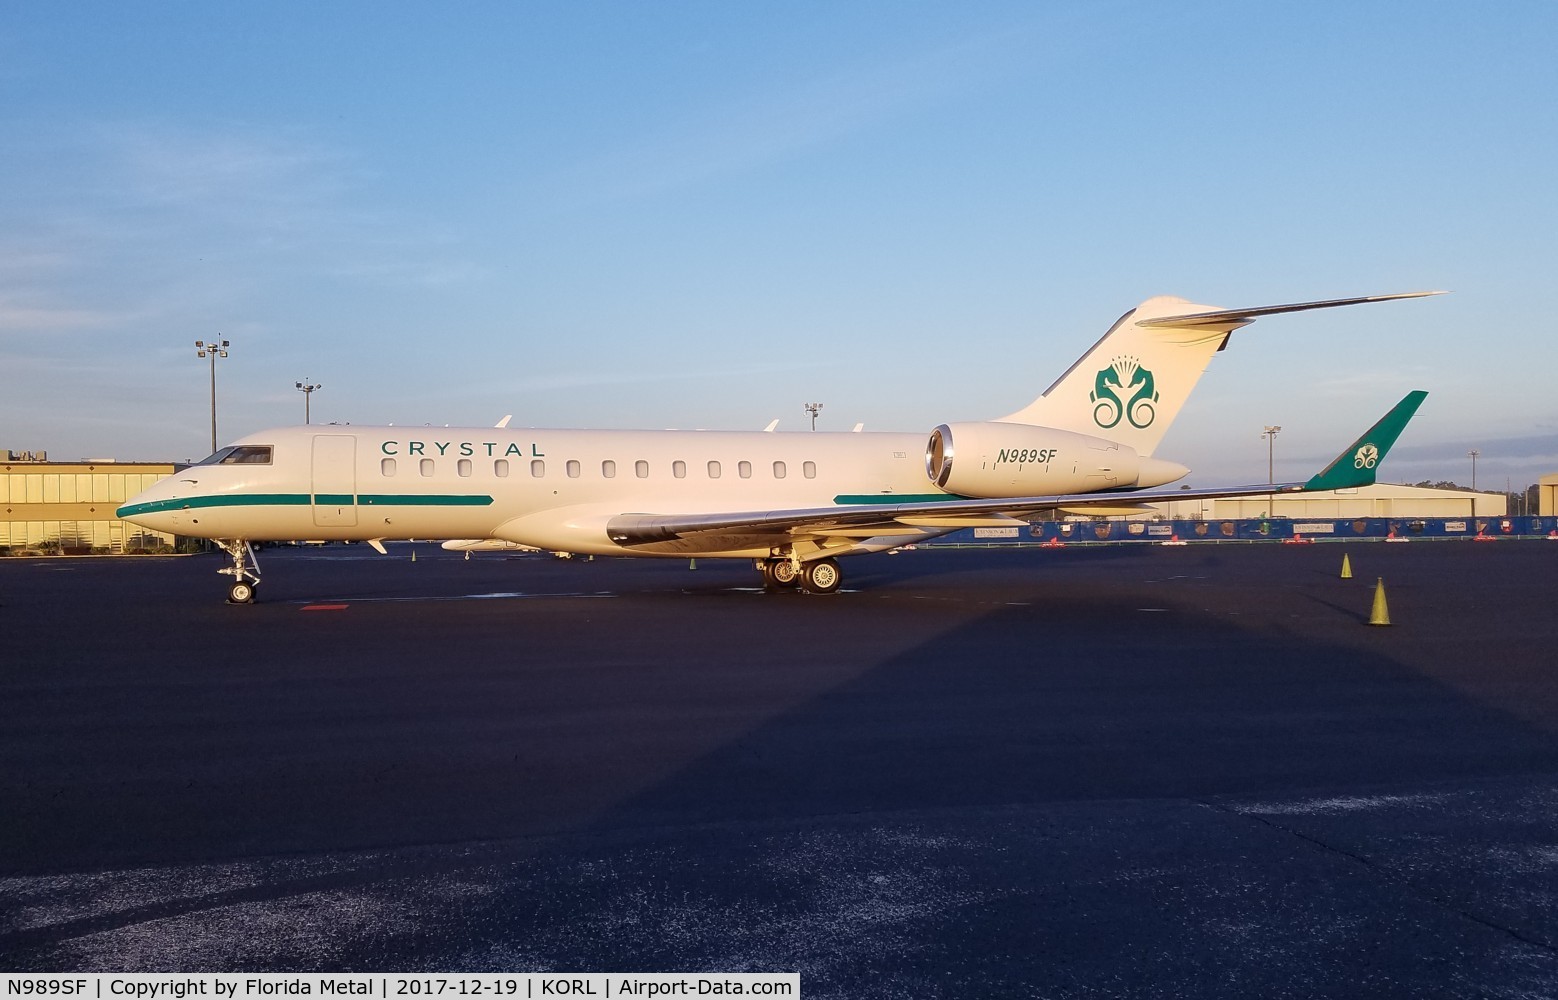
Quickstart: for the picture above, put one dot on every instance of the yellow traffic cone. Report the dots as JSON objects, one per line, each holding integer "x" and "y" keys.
{"x": 413, "y": 555}
{"x": 1346, "y": 567}
{"x": 692, "y": 564}
{"x": 1381, "y": 614}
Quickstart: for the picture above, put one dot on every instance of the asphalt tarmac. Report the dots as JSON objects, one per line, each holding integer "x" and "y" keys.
{"x": 1087, "y": 772}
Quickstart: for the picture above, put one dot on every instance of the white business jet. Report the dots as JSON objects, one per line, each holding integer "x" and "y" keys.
{"x": 792, "y": 502}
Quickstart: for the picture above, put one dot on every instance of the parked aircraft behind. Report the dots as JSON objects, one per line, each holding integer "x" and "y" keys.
{"x": 792, "y": 502}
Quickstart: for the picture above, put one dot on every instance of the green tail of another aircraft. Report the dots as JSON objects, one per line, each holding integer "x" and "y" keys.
{"x": 1356, "y": 465}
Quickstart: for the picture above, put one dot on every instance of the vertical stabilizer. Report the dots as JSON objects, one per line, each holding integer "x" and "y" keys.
{"x": 1131, "y": 385}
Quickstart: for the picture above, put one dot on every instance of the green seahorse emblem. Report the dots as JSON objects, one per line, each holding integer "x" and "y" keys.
{"x": 1124, "y": 374}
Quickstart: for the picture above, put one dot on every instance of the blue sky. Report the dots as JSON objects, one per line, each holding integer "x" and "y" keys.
{"x": 707, "y": 214}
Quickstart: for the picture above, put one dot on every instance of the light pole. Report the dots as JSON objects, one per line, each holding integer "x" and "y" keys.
{"x": 213, "y": 350}
{"x": 308, "y": 392}
{"x": 813, "y": 409}
{"x": 1474, "y": 453}
{"x": 1270, "y": 434}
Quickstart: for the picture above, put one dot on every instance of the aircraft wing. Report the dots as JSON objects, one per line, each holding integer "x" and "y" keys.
{"x": 1354, "y": 467}
{"x": 726, "y": 530}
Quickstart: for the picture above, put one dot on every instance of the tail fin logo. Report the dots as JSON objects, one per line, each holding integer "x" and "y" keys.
{"x": 1366, "y": 457}
{"x": 1124, "y": 374}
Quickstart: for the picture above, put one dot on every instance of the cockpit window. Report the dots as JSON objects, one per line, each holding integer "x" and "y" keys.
{"x": 249, "y": 454}
{"x": 215, "y": 457}
{"x": 240, "y": 454}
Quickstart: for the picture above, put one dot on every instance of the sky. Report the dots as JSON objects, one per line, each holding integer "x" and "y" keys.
{"x": 705, "y": 215}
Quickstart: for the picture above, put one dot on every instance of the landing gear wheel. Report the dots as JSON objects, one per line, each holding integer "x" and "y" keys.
{"x": 779, "y": 574}
{"x": 245, "y": 570}
{"x": 823, "y": 576}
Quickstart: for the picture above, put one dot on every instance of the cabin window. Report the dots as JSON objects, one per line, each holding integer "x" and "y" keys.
{"x": 463, "y": 467}
{"x": 641, "y": 469}
{"x": 387, "y": 466}
{"x": 537, "y": 468}
{"x": 713, "y": 470}
{"x": 679, "y": 469}
{"x": 809, "y": 470}
{"x": 608, "y": 469}
{"x": 744, "y": 470}
{"x": 427, "y": 467}
{"x": 573, "y": 468}
{"x": 779, "y": 470}
{"x": 500, "y": 468}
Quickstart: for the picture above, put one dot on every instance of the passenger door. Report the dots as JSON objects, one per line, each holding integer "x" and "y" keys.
{"x": 335, "y": 480}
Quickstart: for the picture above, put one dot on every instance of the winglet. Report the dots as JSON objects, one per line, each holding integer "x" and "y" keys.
{"x": 1355, "y": 466}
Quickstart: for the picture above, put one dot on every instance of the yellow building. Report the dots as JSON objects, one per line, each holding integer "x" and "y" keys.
{"x": 1379, "y": 500}
{"x": 1547, "y": 495}
{"x": 69, "y": 506}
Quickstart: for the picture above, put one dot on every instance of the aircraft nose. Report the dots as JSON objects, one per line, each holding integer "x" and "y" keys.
{"x": 150, "y": 508}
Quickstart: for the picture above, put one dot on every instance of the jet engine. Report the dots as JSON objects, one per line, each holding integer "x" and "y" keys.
{"x": 993, "y": 460}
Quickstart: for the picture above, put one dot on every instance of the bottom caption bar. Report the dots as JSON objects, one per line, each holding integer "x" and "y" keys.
{"x": 396, "y": 986}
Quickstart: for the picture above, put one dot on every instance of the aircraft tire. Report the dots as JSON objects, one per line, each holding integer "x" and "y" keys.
{"x": 779, "y": 574}
{"x": 823, "y": 576}
{"x": 241, "y": 592}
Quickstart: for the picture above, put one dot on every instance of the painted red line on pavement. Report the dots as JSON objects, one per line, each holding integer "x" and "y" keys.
{"x": 323, "y": 607}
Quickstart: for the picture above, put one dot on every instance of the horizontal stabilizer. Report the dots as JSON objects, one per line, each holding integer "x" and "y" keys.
{"x": 1234, "y": 318}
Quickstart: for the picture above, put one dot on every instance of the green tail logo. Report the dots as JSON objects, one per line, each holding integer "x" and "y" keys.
{"x": 1124, "y": 374}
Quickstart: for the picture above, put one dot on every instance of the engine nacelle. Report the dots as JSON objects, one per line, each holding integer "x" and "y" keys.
{"x": 992, "y": 460}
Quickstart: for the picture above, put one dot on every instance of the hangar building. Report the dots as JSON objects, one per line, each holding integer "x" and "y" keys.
{"x": 1379, "y": 500}
{"x": 69, "y": 506}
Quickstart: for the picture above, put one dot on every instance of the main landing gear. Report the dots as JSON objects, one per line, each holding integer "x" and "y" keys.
{"x": 245, "y": 570}
{"x": 821, "y": 576}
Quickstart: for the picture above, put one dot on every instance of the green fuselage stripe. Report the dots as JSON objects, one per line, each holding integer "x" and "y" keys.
{"x": 304, "y": 500}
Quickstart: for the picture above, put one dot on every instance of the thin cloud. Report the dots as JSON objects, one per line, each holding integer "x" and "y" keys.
{"x": 219, "y": 168}
{"x": 16, "y": 318}
{"x": 743, "y": 135}
{"x": 585, "y": 380}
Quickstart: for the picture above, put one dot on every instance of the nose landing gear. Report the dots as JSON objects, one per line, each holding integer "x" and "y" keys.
{"x": 245, "y": 570}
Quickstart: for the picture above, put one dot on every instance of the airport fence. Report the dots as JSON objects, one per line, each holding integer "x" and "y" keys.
{"x": 1254, "y": 530}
